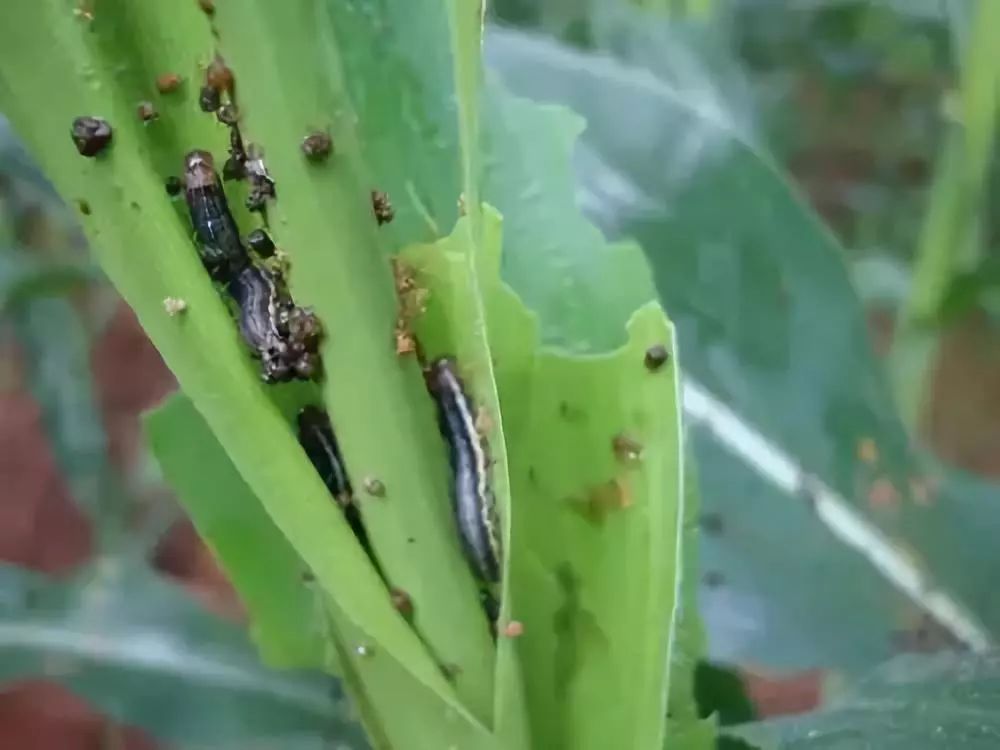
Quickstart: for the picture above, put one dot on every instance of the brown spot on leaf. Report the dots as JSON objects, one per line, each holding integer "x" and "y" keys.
{"x": 883, "y": 495}
{"x": 626, "y": 448}
{"x": 867, "y": 450}
{"x": 602, "y": 499}
{"x": 167, "y": 83}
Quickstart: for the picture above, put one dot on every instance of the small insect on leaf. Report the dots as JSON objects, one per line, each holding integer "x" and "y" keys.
{"x": 147, "y": 111}
{"x": 207, "y": 7}
{"x": 167, "y": 82}
{"x": 317, "y": 146}
{"x": 91, "y": 135}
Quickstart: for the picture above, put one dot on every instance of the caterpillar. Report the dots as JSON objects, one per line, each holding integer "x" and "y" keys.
{"x": 474, "y": 502}
{"x": 282, "y": 335}
{"x": 316, "y": 437}
{"x": 222, "y": 253}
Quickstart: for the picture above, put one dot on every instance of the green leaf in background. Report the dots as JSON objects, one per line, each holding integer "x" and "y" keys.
{"x": 772, "y": 329}
{"x": 945, "y": 702}
{"x": 58, "y": 363}
{"x": 55, "y": 342}
{"x": 145, "y": 653}
{"x": 22, "y": 279}
{"x": 718, "y": 337}
{"x": 262, "y": 565}
{"x": 582, "y": 293}
{"x": 582, "y": 289}
{"x": 55, "y": 345}
{"x": 761, "y": 562}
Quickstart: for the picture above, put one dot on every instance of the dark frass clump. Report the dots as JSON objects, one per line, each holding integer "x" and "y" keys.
{"x": 656, "y": 357}
{"x": 317, "y": 146}
{"x": 91, "y": 135}
{"x": 262, "y": 187}
{"x": 284, "y": 337}
{"x": 228, "y": 114}
{"x": 235, "y": 167}
{"x": 382, "y": 207}
{"x": 209, "y": 99}
{"x": 261, "y": 243}
{"x": 173, "y": 186}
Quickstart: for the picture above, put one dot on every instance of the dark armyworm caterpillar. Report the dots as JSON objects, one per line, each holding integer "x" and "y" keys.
{"x": 319, "y": 442}
{"x": 219, "y": 245}
{"x": 474, "y": 503}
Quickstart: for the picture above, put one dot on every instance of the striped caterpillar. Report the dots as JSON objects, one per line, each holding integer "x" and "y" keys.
{"x": 474, "y": 503}
{"x": 284, "y": 336}
{"x": 320, "y": 444}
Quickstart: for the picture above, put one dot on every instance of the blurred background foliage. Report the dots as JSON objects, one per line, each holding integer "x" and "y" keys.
{"x": 811, "y": 183}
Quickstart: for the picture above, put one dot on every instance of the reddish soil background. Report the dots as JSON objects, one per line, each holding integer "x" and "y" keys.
{"x": 41, "y": 528}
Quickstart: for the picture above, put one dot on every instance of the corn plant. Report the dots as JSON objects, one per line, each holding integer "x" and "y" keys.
{"x": 384, "y": 178}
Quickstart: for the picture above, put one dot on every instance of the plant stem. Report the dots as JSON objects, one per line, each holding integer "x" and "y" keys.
{"x": 950, "y": 233}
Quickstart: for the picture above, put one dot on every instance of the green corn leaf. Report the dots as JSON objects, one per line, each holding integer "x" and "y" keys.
{"x": 262, "y": 565}
{"x": 595, "y": 531}
{"x": 289, "y": 624}
{"x": 143, "y": 651}
{"x": 106, "y": 63}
